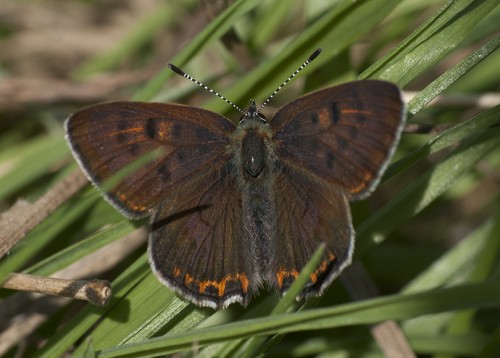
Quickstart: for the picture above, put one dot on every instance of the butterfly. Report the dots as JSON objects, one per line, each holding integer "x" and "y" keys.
{"x": 236, "y": 208}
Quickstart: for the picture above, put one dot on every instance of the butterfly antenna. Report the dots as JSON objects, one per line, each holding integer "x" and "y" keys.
{"x": 184, "y": 74}
{"x": 308, "y": 61}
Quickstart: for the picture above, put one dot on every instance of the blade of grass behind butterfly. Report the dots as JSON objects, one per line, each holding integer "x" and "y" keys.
{"x": 397, "y": 307}
{"x": 458, "y": 132}
{"x": 430, "y": 42}
{"x": 21, "y": 164}
{"x": 491, "y": 349}
{"x": 213, "y": 31}
{"x": 335, "y": 30}
{"x": 404, "y": 19}
{"x": 462, "y": 322}
{"x": 82, "y": 248}
{"x": 253, "y": 346}
{"x": 452, "y": 75}
{"x": 426, "y": 188}
{"x": 446, "y": 139}
{"x": 452, "y": 267}
{"x": 476, "y": 252}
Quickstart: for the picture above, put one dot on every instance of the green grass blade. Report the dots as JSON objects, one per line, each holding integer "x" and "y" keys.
{"x": 367, "y": 312}
{"x": 21, "y": 165}
{"x": 451, "y": 76}
{"x": 431, "y": 41}
{"x": 426, "y": 188}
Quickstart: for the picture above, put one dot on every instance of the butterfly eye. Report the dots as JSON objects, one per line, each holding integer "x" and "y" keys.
{"x": 262, "y": 117}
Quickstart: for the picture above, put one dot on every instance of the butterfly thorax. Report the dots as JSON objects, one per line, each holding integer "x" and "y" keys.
{"x": 255, "y": 152}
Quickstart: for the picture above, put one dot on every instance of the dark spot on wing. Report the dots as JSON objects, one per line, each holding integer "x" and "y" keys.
{"x": 335, "y": 113}
{"x": 314, "y": 118}
{"x": 151, "y": 128}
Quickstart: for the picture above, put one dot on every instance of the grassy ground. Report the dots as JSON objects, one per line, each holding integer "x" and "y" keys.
{"x": 428, "y": 239}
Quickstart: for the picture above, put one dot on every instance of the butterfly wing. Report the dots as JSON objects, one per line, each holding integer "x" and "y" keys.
{"x": 107, "y": 137}
{"x": 344, "y": 134}
{"x": 195, "y": 246}
{"x": 333, "y": 146}
{"x": 190, "y": 190}
{"x": 310, "y": 212}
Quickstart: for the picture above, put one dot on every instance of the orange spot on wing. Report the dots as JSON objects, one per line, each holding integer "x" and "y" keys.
{"x": 188, "y": 279}
{"x": 314, "y": 277}
{"x": 128, "y": 130}
{"x": 176, "y": 271}
{"x": 356, "y": 111}
{"x": 282, "y": 273}
{"x": 323, "y": 266}
{"x": 219, "y": 285}
{"x": 367, "y": 177}
{"x": 244, "y": 282}
{"x": 130, "y": 205}
{"x": 324, "y": 116}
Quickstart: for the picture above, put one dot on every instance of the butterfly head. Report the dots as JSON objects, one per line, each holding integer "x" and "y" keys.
{"x": 252, "y": 115}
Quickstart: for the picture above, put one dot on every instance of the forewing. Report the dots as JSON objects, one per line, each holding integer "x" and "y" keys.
{"x": 107, "y": 137}
{"x": 195, "y": 246}
{"x": 344, "y": 134}
{"x": 310, "y": 212}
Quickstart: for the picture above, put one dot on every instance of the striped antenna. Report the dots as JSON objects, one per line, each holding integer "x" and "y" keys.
{"x": 184, "y": 74}
{"x": 308, "y": 61}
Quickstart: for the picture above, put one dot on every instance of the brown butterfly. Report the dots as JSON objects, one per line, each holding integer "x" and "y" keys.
{"x": 236, "y": 208}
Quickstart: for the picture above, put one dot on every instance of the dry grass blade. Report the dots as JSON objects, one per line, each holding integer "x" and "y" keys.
{"x": 23, "y": 217}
